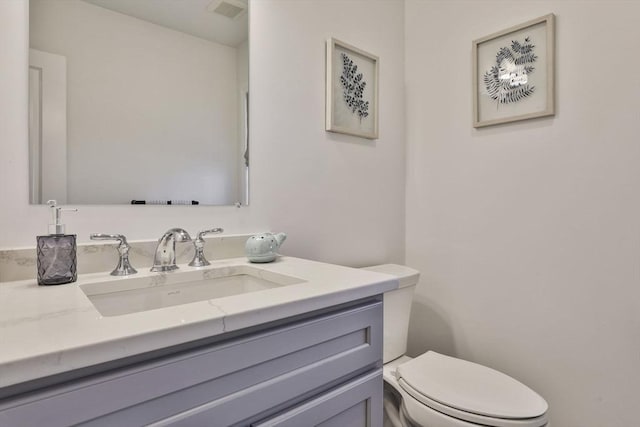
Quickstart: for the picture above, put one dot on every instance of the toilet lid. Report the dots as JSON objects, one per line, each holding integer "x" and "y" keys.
{"x": 462, "y": 388}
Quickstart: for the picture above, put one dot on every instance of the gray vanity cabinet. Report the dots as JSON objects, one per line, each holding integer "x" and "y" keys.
{"x": 323, "y": 369}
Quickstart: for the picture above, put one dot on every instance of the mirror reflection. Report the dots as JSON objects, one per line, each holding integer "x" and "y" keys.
{"x": 141, "y": 101}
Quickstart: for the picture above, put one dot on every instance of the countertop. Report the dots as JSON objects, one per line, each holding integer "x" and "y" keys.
{"x": 47, "y": 330}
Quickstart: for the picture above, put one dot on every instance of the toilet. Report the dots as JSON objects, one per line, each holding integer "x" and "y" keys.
{"x": 434, "y": 390}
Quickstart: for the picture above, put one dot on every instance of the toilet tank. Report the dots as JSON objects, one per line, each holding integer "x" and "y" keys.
{"x": 397, "y": 308}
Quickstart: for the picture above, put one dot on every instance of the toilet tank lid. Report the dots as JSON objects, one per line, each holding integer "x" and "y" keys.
{"x": 407, "y": 276}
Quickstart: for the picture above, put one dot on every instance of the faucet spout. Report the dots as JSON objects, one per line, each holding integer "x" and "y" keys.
{"x": 165, "y": 257}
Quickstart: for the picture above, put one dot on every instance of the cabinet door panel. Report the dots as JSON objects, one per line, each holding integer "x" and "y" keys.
{"x": 356, "y": 416}
{"x": 357, "y": 403}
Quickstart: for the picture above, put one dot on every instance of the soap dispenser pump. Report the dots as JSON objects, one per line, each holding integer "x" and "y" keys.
{"x": 56, "y": 257}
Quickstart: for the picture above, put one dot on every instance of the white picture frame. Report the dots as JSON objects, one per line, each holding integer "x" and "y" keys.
{"x": 351, "y": 90}
{"x": 513, "y": 73}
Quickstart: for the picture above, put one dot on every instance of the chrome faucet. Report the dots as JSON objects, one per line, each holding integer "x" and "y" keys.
{"x": 165, "y": 258}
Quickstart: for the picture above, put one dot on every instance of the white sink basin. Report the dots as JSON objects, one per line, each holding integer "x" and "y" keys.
{"x": 135, "y": 294}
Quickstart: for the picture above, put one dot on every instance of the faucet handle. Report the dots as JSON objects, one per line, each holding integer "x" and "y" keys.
{"x": 123, "y": 268}
{"x": 205, "y": 232}
{"x": 198, "y": 258}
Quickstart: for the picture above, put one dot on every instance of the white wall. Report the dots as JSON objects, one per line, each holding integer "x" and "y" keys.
{"x": 339, "y": 198}
{"x": 344, "y": 194}
{"x": 142, "y": 99}
{"x": 528, "y": 234}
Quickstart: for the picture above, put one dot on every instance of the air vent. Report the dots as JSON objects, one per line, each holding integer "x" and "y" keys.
{"x": 232, "y": 9}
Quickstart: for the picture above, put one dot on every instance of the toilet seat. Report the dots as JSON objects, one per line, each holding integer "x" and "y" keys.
{"x": 470, "y": 392}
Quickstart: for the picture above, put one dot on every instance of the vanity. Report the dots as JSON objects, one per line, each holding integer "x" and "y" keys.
{"x": 289, "y": 343}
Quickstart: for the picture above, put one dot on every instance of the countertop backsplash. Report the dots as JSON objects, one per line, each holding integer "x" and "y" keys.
{"x": 20, "y": 264}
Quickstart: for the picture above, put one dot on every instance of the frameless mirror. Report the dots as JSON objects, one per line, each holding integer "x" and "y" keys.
{"x": 138, "y": 101}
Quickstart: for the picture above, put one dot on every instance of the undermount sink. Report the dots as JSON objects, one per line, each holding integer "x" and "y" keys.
{"x": 135, "y": 294}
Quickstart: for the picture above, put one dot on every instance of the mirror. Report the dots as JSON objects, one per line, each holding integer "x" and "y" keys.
{"x": 139, "y": 101}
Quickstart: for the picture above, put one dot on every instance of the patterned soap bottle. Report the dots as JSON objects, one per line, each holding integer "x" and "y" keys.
{"x": 56, "y": 252}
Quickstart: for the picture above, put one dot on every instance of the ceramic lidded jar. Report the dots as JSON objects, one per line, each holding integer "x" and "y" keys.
{"x": 263, "y": 247}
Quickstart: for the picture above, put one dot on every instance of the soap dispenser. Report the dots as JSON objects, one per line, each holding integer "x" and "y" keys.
{"x": 56, "y": 257}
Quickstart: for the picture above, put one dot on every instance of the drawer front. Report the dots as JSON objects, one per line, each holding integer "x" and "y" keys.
{"x": 225, "y": 379}
{"x": 355, "y": 404}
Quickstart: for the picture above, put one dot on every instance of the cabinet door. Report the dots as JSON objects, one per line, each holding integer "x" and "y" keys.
{"x": 217, "y": 385}
{"x": 357, "y": 403}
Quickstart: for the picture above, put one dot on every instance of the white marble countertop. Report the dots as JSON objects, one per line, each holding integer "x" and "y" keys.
{"x": 46, "y": 330}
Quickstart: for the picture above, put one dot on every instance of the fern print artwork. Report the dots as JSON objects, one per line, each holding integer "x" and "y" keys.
{"x": 353, "y": 87}
{"x": 508, "y": 81}
{"x": 513, "y": 73}
{"x": 351, "y": 90}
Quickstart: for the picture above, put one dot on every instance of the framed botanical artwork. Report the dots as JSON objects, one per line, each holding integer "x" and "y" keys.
{"x": 351, "y": 90}
{"x": 513, "y": 73}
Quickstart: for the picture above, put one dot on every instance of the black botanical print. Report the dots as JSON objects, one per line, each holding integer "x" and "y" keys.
{"x": 353, "y": 87}
{"x": 508, "y": 80}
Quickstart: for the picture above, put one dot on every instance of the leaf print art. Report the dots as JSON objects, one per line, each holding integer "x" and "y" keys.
{"x": 508, "y": 81}
{"x": 353, "y": 87}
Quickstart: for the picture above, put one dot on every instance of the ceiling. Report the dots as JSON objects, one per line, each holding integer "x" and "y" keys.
{"x": 188, "y": 16}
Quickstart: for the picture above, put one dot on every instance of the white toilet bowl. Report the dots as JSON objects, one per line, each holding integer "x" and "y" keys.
{"x": 434, "y": 390}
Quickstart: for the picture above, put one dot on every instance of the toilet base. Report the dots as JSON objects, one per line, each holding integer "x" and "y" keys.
{"x": 397, "y": 415}
{"x": 394, "y": 413}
